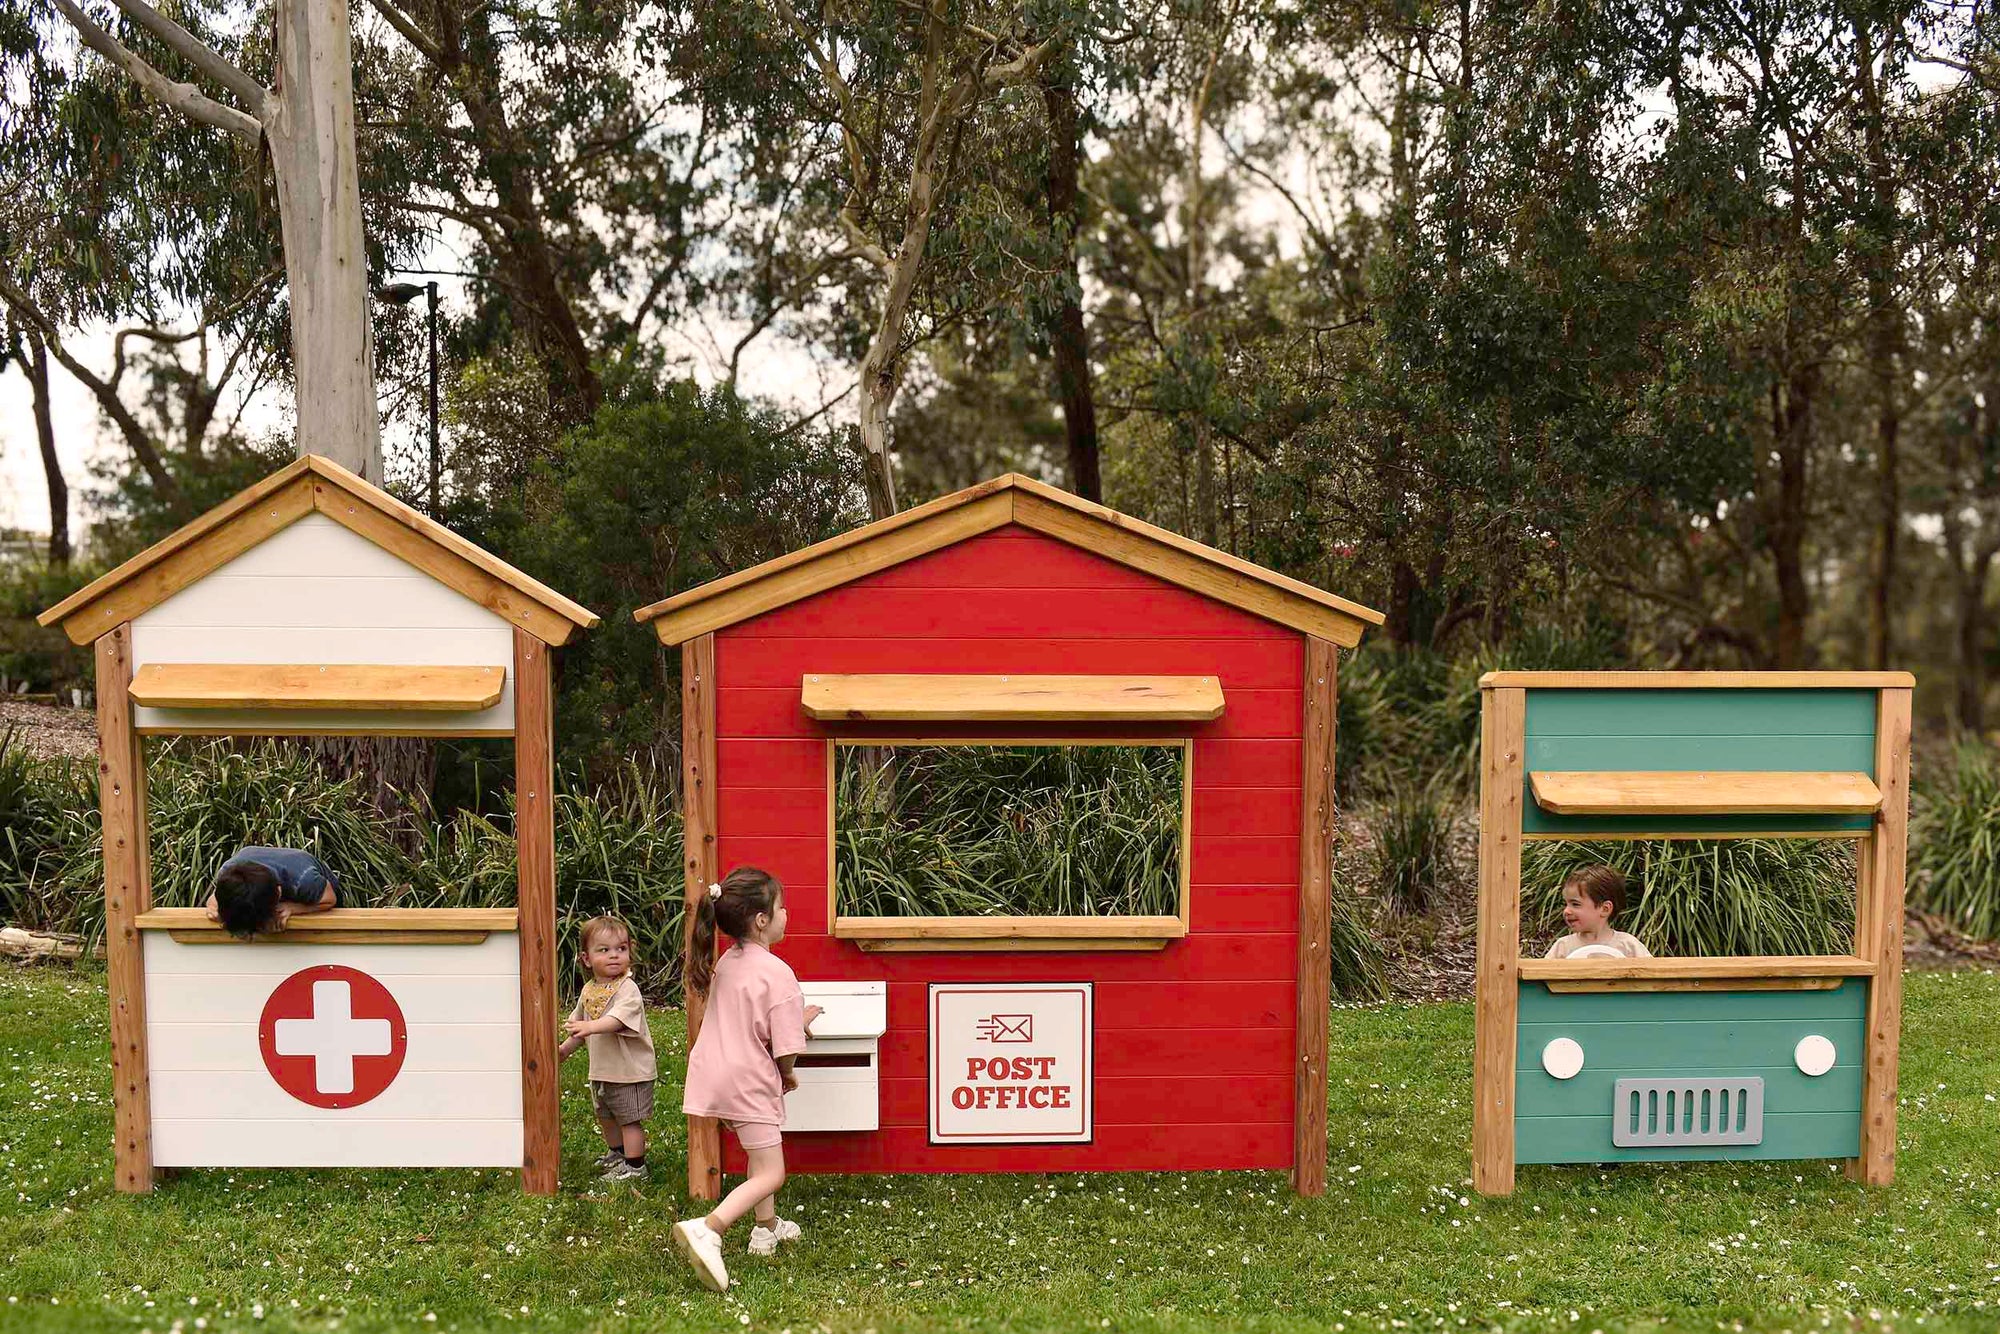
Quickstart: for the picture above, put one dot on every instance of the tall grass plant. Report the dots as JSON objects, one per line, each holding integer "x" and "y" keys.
{"x": 1708, "y": 897}
{"x": 1955, "y": 840}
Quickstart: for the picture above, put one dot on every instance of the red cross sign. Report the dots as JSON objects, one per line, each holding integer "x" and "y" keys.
{"x": 332, "y": 1036}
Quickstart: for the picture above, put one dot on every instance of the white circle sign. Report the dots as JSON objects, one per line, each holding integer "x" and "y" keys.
{"x": 1814, "y": 1055}
{"x": 1563, "y": 1058}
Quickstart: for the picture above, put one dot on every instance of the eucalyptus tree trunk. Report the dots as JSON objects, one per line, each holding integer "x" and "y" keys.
{"x": 36, "y": 365}
{"x": 1069, "y": 343}
{"x": 307, "y": 119}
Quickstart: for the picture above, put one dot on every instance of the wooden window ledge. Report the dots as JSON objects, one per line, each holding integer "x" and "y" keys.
{"x": 1732, "y": 793}
{"x": 1768, "y": 972}
{"x": 203, "y": 685}
{"x": 344, "y": 926}
{"x": 992, "y": 934}
{"x": 1012, "y": 698}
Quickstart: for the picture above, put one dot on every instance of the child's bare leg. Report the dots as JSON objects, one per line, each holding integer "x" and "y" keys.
{"x": 767, "y": 1173}
{"x": 633, "y": 1138}
{"x": 612, "y": 1138}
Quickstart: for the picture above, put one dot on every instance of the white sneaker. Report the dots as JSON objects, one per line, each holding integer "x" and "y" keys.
{"x": 764, "y": 1240}
{"x": 703, "y": 1249}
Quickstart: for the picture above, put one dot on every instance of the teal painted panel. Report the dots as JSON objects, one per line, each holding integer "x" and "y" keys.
{"x": 1587, "y": 1139}
{"x": 1540, "y": 1005}
{"x": 1716, "y": 712}
{"x": 1715, "y": 1034}
{"x": 1727, "y": 730}
{"x": 1591, "y": 1091}
{"x": 1718, "y": 1047}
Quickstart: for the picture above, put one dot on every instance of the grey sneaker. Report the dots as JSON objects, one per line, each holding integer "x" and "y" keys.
{"x": 703, "y": 1249}
{"x": 609, "y": 1158}
{"x": 623, "y": 1171}
{"x": 764, "y": 1240}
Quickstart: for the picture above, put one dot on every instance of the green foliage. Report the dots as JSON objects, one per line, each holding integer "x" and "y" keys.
{"x": 1415, "y": 828}
{"x": 1955, "y": 840}
{"x": 975, "y": 831}
{"x": 1708, "y": 896}
{"x": 28, "y": 652}
{"x": 659, "y": 493}
{"x": 48, "y": 832}
{"x": 1359, "y": 971}
{"x": 618, "y": 844}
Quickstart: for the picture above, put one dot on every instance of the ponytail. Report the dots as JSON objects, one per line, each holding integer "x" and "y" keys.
{"x": 729, "y": 907}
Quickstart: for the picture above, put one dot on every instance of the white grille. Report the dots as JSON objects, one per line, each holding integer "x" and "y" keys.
{"x": 1675, "y": 1112}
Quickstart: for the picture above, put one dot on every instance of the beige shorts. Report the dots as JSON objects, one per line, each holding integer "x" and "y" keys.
{"x": 755, "y": 1135}
{"x": 622, "y": 1104}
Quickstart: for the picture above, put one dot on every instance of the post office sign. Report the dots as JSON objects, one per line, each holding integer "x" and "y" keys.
{"x": 1011, "y": 1063}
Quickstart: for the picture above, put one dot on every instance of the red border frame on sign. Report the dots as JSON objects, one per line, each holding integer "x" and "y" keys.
{"x": 1087, "y": 1131}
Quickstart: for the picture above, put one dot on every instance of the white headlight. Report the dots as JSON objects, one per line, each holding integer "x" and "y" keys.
{"x": 1562, "y": 1058}
{"x": 1814, "y": 1055}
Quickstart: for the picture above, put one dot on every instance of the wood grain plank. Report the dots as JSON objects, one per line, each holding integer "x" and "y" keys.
{"x": 1732, "y": 966}
{"x": 1719, "y": 793}
{"x": 1705, "y": 680}
{"x": 916, "y": 697}
{"x": 1889, "y": 849}
{"x": 535, "y": 835}
{"x": 397, "y": 920}
{"x": 702, "y": 866}
{"x": 128, "y": 892}
{"x": 1496, "y": 984}
{"x": 1315, "y": 919}
{"x": 163, "y": 685}
{"x": 750, "y": 660}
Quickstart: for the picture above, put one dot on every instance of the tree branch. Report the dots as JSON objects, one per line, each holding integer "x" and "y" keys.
{"x": 407, "y": 26}
{"x": 135, "y": 435}
{"x": 182, "y": 97}
{"x": 197, "y": 53}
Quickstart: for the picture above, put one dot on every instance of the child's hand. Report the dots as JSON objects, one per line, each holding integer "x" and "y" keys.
{"x": 788, "y": 1079}
{"x": 577, "y": 1028}
{"x": 812, "y": 1012}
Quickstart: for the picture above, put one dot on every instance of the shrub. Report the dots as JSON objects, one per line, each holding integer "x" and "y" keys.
{"x": 1353, "y": 951}
{"x": 1709, "y": 896}
{"x": 1955, "y": 840}
{"x": 618, "y": 845}
{"x": 1414, "y": 863}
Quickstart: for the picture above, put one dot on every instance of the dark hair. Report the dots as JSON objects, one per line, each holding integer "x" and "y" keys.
{"x": 246, "y": 897}
{"x": 746, "y": 891}
{"x": 597, "y": 926}
{"x": 1601, "y": 885}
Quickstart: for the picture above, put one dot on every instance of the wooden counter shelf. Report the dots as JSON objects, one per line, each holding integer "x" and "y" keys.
{"x": 344, "y": 926}
{"x": 188, "y": 685}
{"x": 1704, "y": 793}
{"x": 1011, "y": 698}
{"x": 992, "y": 934}
{"x": 1764, "y": 972}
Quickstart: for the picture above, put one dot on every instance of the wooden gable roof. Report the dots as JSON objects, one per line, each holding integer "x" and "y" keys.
{"x": 1017, "y": 500}
{"x": 299, "y": 488}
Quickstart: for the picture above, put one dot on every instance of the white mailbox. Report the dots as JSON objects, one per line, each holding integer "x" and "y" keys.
{"x": 839, "y": 1073}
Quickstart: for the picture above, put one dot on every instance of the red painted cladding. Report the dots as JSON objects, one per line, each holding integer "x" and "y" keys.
{"x": 1194, "y": 1043}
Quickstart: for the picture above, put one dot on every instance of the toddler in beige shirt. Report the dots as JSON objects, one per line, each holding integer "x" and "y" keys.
{"x": 610, "y": 1018}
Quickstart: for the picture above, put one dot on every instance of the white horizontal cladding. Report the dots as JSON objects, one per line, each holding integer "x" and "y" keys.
{"x": 225, "y": 997}
{"x": 252, "y": 1095}
{"x": 315, "y": 593}
{"x": 331, "y": 1141}
{"x": 274, "y": 957}
{"x": 454, "y": 1098}
{"x": 434, "y": 1048}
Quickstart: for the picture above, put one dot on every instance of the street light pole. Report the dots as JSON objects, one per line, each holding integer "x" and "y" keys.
{"x": 402, "y": 294}
{"x": 436, "y": 459}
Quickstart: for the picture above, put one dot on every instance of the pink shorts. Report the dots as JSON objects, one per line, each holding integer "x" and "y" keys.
{"x": 755, "y": 1134}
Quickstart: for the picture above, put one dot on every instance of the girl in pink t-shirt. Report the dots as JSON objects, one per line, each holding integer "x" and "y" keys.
{"x": 753, "y": 1028}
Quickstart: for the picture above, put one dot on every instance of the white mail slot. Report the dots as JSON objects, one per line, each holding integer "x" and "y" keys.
{"x": 839, "y": 1073}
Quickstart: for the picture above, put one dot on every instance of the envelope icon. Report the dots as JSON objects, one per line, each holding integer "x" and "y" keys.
{"x": 1007, "y": 1028}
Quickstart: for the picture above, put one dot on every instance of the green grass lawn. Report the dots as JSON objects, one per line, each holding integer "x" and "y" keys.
{"x": 1399, "y": 1241}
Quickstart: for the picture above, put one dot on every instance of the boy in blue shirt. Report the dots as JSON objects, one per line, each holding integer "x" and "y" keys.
{"x": 262, "y": 889}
